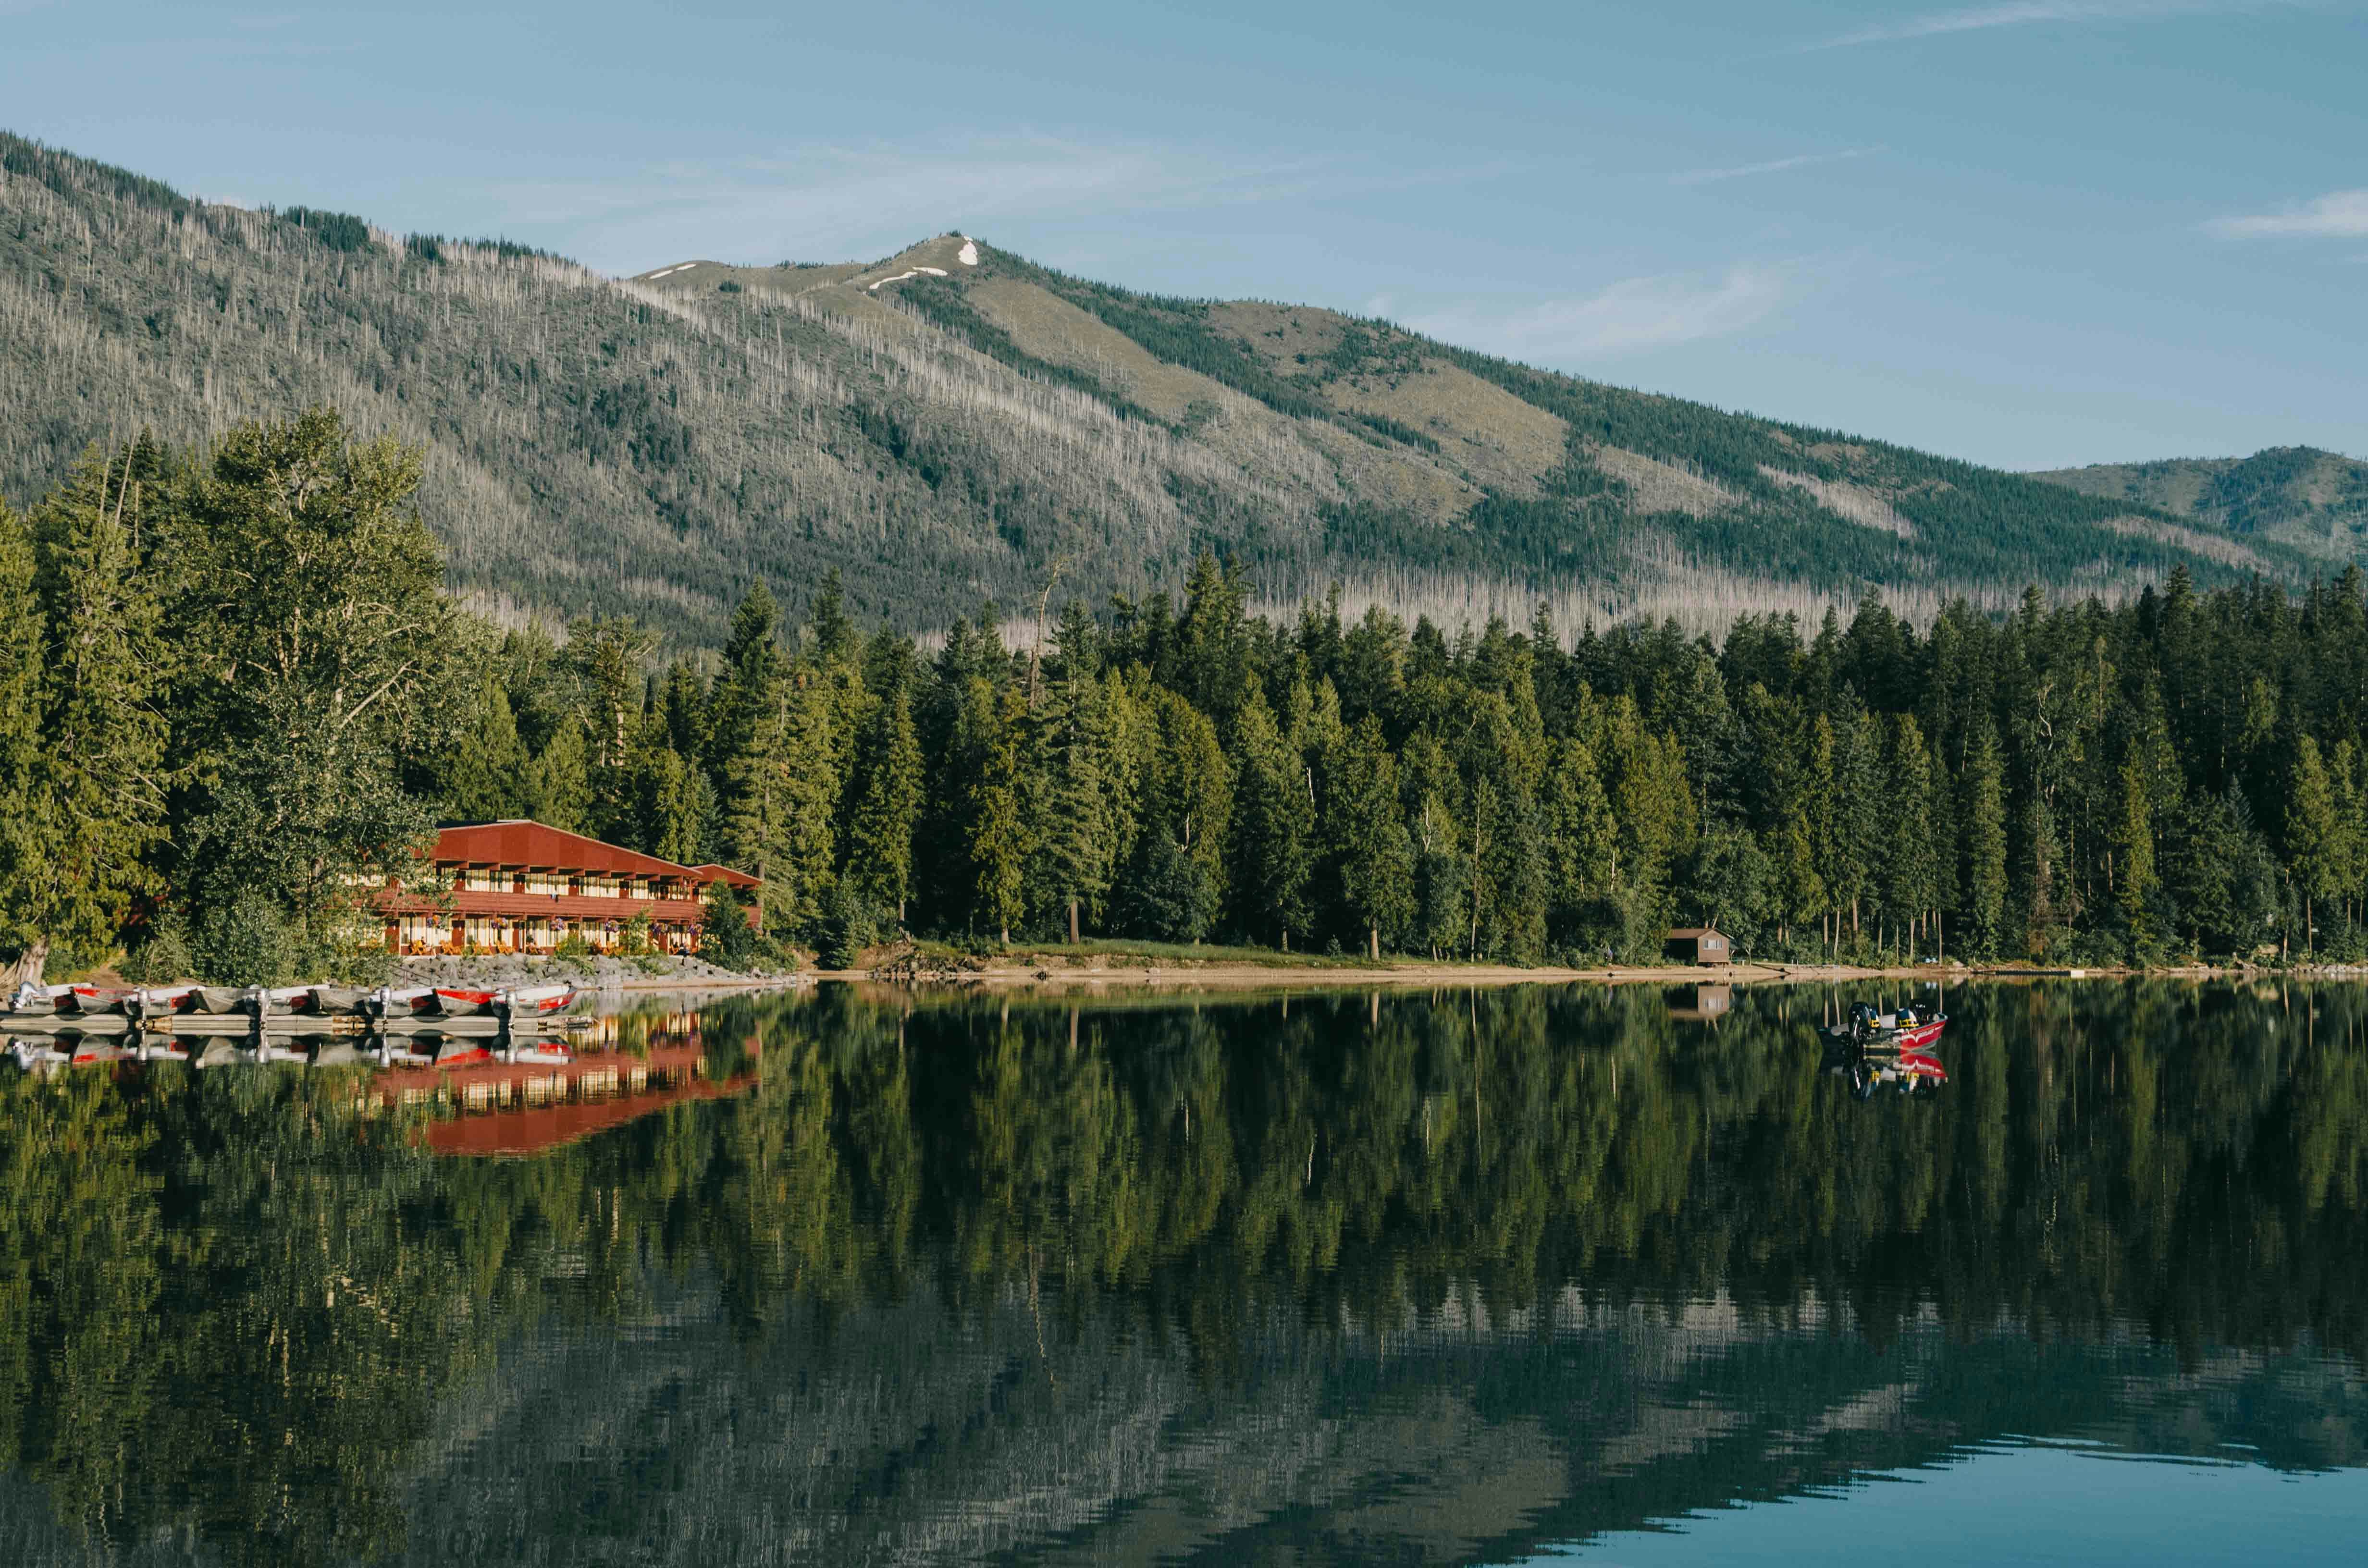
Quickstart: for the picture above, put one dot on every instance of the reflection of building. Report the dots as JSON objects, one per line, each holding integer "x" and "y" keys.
{"x": 520, "y": 887}
{"x": 1705, "y": 1004}
{"x": 1699, "y": 944}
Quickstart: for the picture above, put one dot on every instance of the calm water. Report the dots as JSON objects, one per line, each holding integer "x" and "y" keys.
{"x": 1520, "y": 1276}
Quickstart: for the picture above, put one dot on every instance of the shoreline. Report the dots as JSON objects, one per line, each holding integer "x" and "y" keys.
{"x": 1219, "y": 974}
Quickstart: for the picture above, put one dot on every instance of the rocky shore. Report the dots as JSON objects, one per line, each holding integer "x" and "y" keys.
{"x": 674, "y": 972}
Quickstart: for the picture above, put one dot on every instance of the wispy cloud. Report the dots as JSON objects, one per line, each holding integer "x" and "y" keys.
{"x": 2026, "y": 13}
{"x": 1634, "y": 314}
{"x": 2340, "y": 215}
{"x": 1777, "y": 166}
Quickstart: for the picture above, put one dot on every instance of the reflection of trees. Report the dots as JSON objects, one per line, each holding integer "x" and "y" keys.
{"x": 229, "y": 1303}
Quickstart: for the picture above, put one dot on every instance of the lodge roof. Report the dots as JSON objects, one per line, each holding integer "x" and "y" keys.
{"x": 1689, "y": 933}
{"x": 520, "y": 841}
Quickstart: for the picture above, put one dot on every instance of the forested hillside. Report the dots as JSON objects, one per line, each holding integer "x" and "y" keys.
{"x": 957, "y": 423}
{"x": 238, "y": 691}
{"x": 2315, "y": 500}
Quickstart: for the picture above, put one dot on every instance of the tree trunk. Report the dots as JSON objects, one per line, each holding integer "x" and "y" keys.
{"x": 1374, "y": 942}
{"x": 27, "y": 970}
{"x": 1073, "y": 923}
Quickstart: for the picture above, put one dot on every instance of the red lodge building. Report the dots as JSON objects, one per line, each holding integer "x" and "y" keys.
{"x": 519, "y": 887}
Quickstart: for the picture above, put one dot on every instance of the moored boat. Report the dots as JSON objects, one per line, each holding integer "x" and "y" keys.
{"x": 320, "y": 1001}
{"x": 462, "y": 1001}
{"x": 283, "y": 999}
{"x": 167, "y": 998}
{"x": 34, "y": 1000}
{"x": 538, "y": 1001}
{"x": 84, "y": 1000}
{"x": 415, "y": 1000}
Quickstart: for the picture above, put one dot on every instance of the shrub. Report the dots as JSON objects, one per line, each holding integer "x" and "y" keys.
{"x": 848, "y": 925}
{"x": 574, "y": 945}
{"x": 245, "y": 942}
{"x": 164, "y": 954}
{"x": 725, "y": 937}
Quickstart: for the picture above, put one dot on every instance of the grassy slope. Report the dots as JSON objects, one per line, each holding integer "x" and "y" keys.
{"x": 650, "y": 444}
{"x": 2313, "y": 500}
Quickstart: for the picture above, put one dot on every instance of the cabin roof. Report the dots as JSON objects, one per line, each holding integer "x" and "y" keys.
{"x": 1687, "y": 933}
{"x": 518, "y": 841}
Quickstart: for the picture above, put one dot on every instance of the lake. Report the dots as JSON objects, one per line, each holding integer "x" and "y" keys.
{"x": 1623, "y": 1276}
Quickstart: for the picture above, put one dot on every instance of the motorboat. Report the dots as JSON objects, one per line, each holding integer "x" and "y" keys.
{"x": 462, "y": 1001}
{"x": 538, "y": 1001}
{"x": 1907, "y": 1028}
{"x": 318, "y": 1001}
{"x": 193, "y": 999}
{"x": 77, "y": 998}
{"x": 412, "y": 1002}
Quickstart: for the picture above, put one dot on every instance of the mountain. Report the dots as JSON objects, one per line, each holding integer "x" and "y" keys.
{"x": 956, "y": 423}
{"x": 2315, "y": 501}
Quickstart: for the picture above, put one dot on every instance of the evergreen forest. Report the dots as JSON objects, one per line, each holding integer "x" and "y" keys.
{"x": 239, "y": 694}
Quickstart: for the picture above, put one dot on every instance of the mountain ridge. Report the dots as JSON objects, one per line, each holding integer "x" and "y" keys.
{"x": 943, "y": 431}
{"x": 2311, "y": 498}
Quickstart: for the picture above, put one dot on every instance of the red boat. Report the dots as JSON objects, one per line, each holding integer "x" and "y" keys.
{"x": 1909, "y": 1029}
{"x": 458, "y": 1002}
{"x": 1920, "y": 1036}
{"x": 538, "y": 1001}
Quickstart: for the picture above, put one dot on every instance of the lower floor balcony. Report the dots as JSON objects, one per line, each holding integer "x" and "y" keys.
{"x": 416, "y": 935}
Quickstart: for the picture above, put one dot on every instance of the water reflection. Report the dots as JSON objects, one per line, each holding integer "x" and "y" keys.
{"x": 849, "y": 1278}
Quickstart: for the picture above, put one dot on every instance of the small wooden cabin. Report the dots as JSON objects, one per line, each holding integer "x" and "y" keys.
{"x": 1699, "y": 944}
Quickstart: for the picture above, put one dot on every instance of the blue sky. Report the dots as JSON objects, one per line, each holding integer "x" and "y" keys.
{"x": 2030, "y": 231}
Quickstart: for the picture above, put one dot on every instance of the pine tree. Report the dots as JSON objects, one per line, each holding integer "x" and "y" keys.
{"x": 557, "y": 788}
{"x": 1859, "y": 800}
{"x": 996, "y": 822}
{"x": 807, "y": 767}
{"x": 2316, "y": 852}
{"x": 480, "y": 774}
{"x": 1193, "y": 798}
{"x": 1582, "y": 839}
{"x": 1376, "y": 856}
{"x": 1908, "y": 872}
{"x": 1985, "y": 819}
{"x": 671, "y": 799}
{"x": 886, "y": 805}
{"x": 22, "y": 635}
{"x": 745, "y": 697}
{"x": 2133, "y": 842}
{"x": 1274, "y": 834}
{"x": 682, "y": 703}
{"x": 92, "y": 803}
{"x": 834, "y": 637}
{"x": 1072, "y": 835}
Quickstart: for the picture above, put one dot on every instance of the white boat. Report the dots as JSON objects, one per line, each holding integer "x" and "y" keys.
{"x": 538, "y": 1001}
